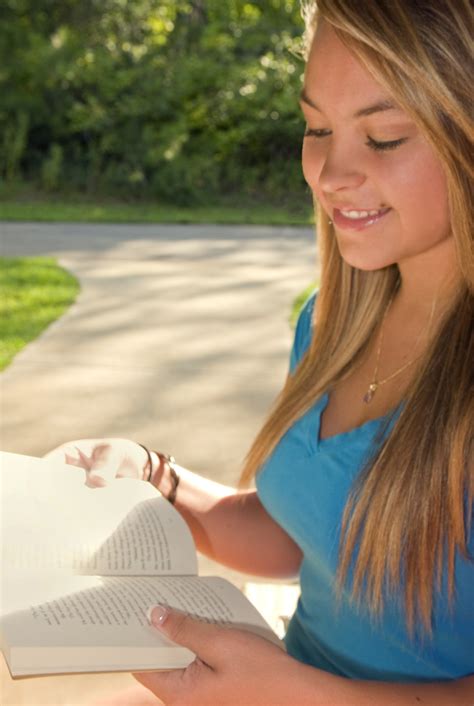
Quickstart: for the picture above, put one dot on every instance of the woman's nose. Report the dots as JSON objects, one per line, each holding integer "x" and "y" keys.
{"x": 333, "y": 168}
{"x": 339, "y": 171}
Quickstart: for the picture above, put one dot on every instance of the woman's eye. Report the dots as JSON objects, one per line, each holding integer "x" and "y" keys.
{"x": 383, "y": 146}
{"x": 310, "y": 132}
{"x": 373, "y": 144}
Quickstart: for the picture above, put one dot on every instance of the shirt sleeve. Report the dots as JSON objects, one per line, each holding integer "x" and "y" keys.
{"x": 303, "y": 332}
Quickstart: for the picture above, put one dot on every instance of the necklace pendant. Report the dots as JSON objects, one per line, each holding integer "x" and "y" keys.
{"x": 369, "y": 395}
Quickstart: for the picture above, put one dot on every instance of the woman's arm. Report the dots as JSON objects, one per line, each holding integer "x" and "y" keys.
{"x": 454, "y": 693}
{"x": 337, "y": 691}
{"x": 231, "y": 527}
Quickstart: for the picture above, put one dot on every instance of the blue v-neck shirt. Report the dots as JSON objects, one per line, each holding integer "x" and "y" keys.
{"x": 304, "y": 486}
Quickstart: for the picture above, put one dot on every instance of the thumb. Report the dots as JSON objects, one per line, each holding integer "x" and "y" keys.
{"x": 197, "y": 635}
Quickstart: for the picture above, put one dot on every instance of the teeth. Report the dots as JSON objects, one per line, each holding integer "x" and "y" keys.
{"x": 359, "y": 214}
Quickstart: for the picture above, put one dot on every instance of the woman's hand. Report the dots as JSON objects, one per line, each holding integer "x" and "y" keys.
{"x": 103, "y": 459}
{"x": 232, "y": 668}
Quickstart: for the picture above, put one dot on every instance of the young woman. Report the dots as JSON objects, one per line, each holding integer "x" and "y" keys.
{"x": 364, "y": 466}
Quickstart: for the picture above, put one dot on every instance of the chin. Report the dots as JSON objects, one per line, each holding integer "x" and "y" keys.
{"x": 369, "y": 262}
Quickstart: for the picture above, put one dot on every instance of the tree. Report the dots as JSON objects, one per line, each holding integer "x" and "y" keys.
{"x": 172, "y": 99}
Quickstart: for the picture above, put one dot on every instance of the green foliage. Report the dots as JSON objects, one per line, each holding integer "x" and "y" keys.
{"x": 51, "y": 169}
{"x": 167, "y": 99}
{"x": 14, "y": 144}
{"x": 33, "y": 293}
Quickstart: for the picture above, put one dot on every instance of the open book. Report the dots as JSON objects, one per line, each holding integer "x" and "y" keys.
{"x": 81, "y": 566}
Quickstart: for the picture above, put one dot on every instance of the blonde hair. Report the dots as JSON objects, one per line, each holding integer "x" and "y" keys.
{"x": 406, "y": 515}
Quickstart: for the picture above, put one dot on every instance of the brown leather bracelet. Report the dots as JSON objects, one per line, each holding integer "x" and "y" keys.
{"x": 149, "y": 463}
{"x": 170, "y": 460}
{"x": 163, "y": 458}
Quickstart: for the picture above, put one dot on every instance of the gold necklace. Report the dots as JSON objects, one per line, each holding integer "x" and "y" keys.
{"x": 375, "y": 384}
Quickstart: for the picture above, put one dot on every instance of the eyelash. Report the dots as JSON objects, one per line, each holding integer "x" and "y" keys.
{"x": 373, "y": 144}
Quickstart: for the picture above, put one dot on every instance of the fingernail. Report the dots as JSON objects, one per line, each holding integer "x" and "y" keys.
{"x": 94, "y": 481}
{"x": 157, "y": 615}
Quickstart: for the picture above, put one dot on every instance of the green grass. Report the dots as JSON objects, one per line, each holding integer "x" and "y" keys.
{"x": 24, "y": 206}
{"x": 34, "y": 292}
{"x": 299, "y": 301}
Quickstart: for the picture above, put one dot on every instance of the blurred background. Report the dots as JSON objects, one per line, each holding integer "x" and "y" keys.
{"x": 182, "y": 102}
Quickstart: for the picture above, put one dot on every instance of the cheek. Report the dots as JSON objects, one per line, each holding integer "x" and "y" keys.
{"x": 419, "y": 192}
{"x": 312, "y": 163}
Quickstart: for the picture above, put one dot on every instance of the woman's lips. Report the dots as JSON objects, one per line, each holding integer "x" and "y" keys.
{"x": 346, "y": 223}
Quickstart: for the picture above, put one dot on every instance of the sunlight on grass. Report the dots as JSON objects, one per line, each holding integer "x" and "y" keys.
{"x": 34, "y": 292}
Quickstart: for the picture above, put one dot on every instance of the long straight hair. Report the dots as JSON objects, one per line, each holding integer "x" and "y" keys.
{"x": 408, "y": 513}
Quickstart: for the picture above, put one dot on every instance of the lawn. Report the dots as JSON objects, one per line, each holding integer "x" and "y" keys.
{"x": 23, "y": 206}
{"x": 34, "y": 292}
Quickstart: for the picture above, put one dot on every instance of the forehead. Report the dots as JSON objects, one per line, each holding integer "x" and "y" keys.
{"x": 335, "y": 78}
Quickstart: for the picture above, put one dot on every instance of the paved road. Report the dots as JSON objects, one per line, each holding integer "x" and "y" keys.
{"x": 179, "y": 338}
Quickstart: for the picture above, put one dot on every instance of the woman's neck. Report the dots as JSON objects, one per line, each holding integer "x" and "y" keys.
{"x": 429, "y": 279}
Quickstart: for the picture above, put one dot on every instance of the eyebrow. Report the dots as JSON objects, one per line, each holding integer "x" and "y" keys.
{"x": 363, "y": 112}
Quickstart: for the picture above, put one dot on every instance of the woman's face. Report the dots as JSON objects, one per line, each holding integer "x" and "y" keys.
{"x": 350, "y": 170}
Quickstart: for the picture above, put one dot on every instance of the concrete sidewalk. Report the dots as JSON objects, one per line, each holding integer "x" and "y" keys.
{"x": 179, "y": 339}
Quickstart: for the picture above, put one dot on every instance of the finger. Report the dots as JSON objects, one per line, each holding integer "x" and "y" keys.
{"x": 165, "y": 685}
{"x": 69, "y": 455}
{"x": 103, "y": 465}
{"x": 200, "y": 637}
{"x": 75, "y": 460}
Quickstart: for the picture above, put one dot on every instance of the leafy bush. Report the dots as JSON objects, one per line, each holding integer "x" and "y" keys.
{"x": 179, "y": 100}
{"x": 51, "y": 170}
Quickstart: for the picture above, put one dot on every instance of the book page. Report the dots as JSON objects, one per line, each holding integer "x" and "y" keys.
{"x": 57, "y": 623}
{"x": 50, "y": 519}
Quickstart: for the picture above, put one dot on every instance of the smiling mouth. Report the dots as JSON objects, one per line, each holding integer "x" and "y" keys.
{"x": 354, "y": 214}
{"x": 355, "y": 219}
